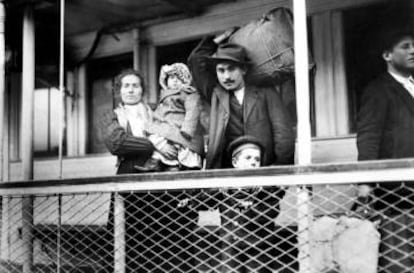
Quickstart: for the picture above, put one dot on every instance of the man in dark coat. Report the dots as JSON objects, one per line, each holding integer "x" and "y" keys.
{"x": 385, "y": 130}
{"x": 219, "y": 72}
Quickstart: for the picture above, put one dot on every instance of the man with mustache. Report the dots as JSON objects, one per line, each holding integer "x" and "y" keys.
{"x": 385, "y": 130}
{"x": 238, "y": 108}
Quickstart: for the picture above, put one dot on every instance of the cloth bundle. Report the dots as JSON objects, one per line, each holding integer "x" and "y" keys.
{"x": 345, "y": 245}
{"x": 269, "y": 45}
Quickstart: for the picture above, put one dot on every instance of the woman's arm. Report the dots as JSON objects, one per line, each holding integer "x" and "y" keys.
{"x": 121, "y": 143}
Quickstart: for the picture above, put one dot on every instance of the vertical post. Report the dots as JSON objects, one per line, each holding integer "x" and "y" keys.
{"x": 304, "y": 132}
{"x": 5, "y": 229}
{"x": 59, "y": 235}
{"x": 49, "y": 119}
{"x": 2, "y": 87}
{"x": 82, "y": 114}
{"x": 152, "y": 74}
{"x": 15, "y": 92}
{"x": 28, "y": 84}
{"x": 27, "y": 234}
{"x": 136, "y": 49}
{"x": 119, "y": 234}
{"x": 6, "y": 139}
{"x": 61, "y": 85}
{"x": 302, "y": 81}
{"x": 71, "y": 114}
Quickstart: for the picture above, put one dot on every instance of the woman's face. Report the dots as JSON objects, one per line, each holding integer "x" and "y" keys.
{"x": 131, "y": 89}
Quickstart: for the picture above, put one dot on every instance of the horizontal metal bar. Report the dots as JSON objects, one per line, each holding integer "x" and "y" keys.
{"x": 365, "y": 172}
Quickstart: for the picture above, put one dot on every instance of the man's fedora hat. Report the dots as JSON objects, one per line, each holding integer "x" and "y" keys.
{"x": 230, "y": 52}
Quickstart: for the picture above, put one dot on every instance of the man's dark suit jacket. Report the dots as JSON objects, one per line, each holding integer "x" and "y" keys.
{"x": 386, "y": 121}
{"x": 386, "y": 128}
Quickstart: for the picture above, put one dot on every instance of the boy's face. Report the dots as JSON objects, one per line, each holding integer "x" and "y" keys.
{"x": 247, "y": 159}
{"x": 173, "y": 82}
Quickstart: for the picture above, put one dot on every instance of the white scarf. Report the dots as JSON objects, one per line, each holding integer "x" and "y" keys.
{"x": 138, "y": 117}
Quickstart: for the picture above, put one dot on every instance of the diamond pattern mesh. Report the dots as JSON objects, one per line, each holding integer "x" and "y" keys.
{"x": 261, "y": 229}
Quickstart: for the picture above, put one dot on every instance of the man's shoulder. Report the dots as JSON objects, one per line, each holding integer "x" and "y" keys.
{"x": 380, "y": 86}
{"x": 381, "y": 81}
{"x": 260, "y": 88}
{"x": 264, "y": 92}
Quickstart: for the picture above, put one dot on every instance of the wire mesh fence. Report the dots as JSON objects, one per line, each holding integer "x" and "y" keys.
{"x": 323, "y": 228}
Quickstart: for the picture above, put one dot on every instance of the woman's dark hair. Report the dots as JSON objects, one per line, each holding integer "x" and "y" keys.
{"x": 120, "y": 76}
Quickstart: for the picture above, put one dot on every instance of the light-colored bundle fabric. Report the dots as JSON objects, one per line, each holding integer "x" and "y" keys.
{"x": 345, "y": 245}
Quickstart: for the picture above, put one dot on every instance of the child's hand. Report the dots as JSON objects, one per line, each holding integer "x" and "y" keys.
{"x": 163, "y": 75}
{"x": 169, "y": 151}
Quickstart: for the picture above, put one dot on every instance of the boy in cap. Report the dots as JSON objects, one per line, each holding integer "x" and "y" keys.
{"x": 248, "y": 215}
{"x": 246, "y": 152}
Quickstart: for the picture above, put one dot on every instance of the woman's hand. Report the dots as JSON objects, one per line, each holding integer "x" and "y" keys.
{"x": 169, "y": 151}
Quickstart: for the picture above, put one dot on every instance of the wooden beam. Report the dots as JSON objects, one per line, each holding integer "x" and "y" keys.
{"x": 387, "y": 171}
{"x": 189, "y": 7}
{"x": 37, "y": 4}
{"x": 214, "y": 19}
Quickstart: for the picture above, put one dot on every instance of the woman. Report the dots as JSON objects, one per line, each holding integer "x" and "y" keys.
{"x": 124, "y": 135}
{"x": 123, "y": 128}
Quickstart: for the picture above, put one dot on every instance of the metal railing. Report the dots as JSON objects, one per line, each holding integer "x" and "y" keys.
{"x": 281, "y": 219}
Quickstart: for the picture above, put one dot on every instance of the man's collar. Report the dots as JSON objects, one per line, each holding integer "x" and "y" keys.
{"x": 399, "y": 78}
{"x": 241, "y": 90}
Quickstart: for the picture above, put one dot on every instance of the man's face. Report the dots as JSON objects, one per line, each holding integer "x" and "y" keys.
{"x": 248, "y": 158}
{"x": 401, "y": 57}
{"x": 131, "y": 89}
{"x": 230, "y": 75}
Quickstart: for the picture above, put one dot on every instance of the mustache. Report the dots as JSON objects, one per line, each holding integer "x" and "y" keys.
{"x": 228, "y": 81}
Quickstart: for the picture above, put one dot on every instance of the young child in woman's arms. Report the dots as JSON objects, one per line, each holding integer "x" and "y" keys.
{"x": 176, "y": 121}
